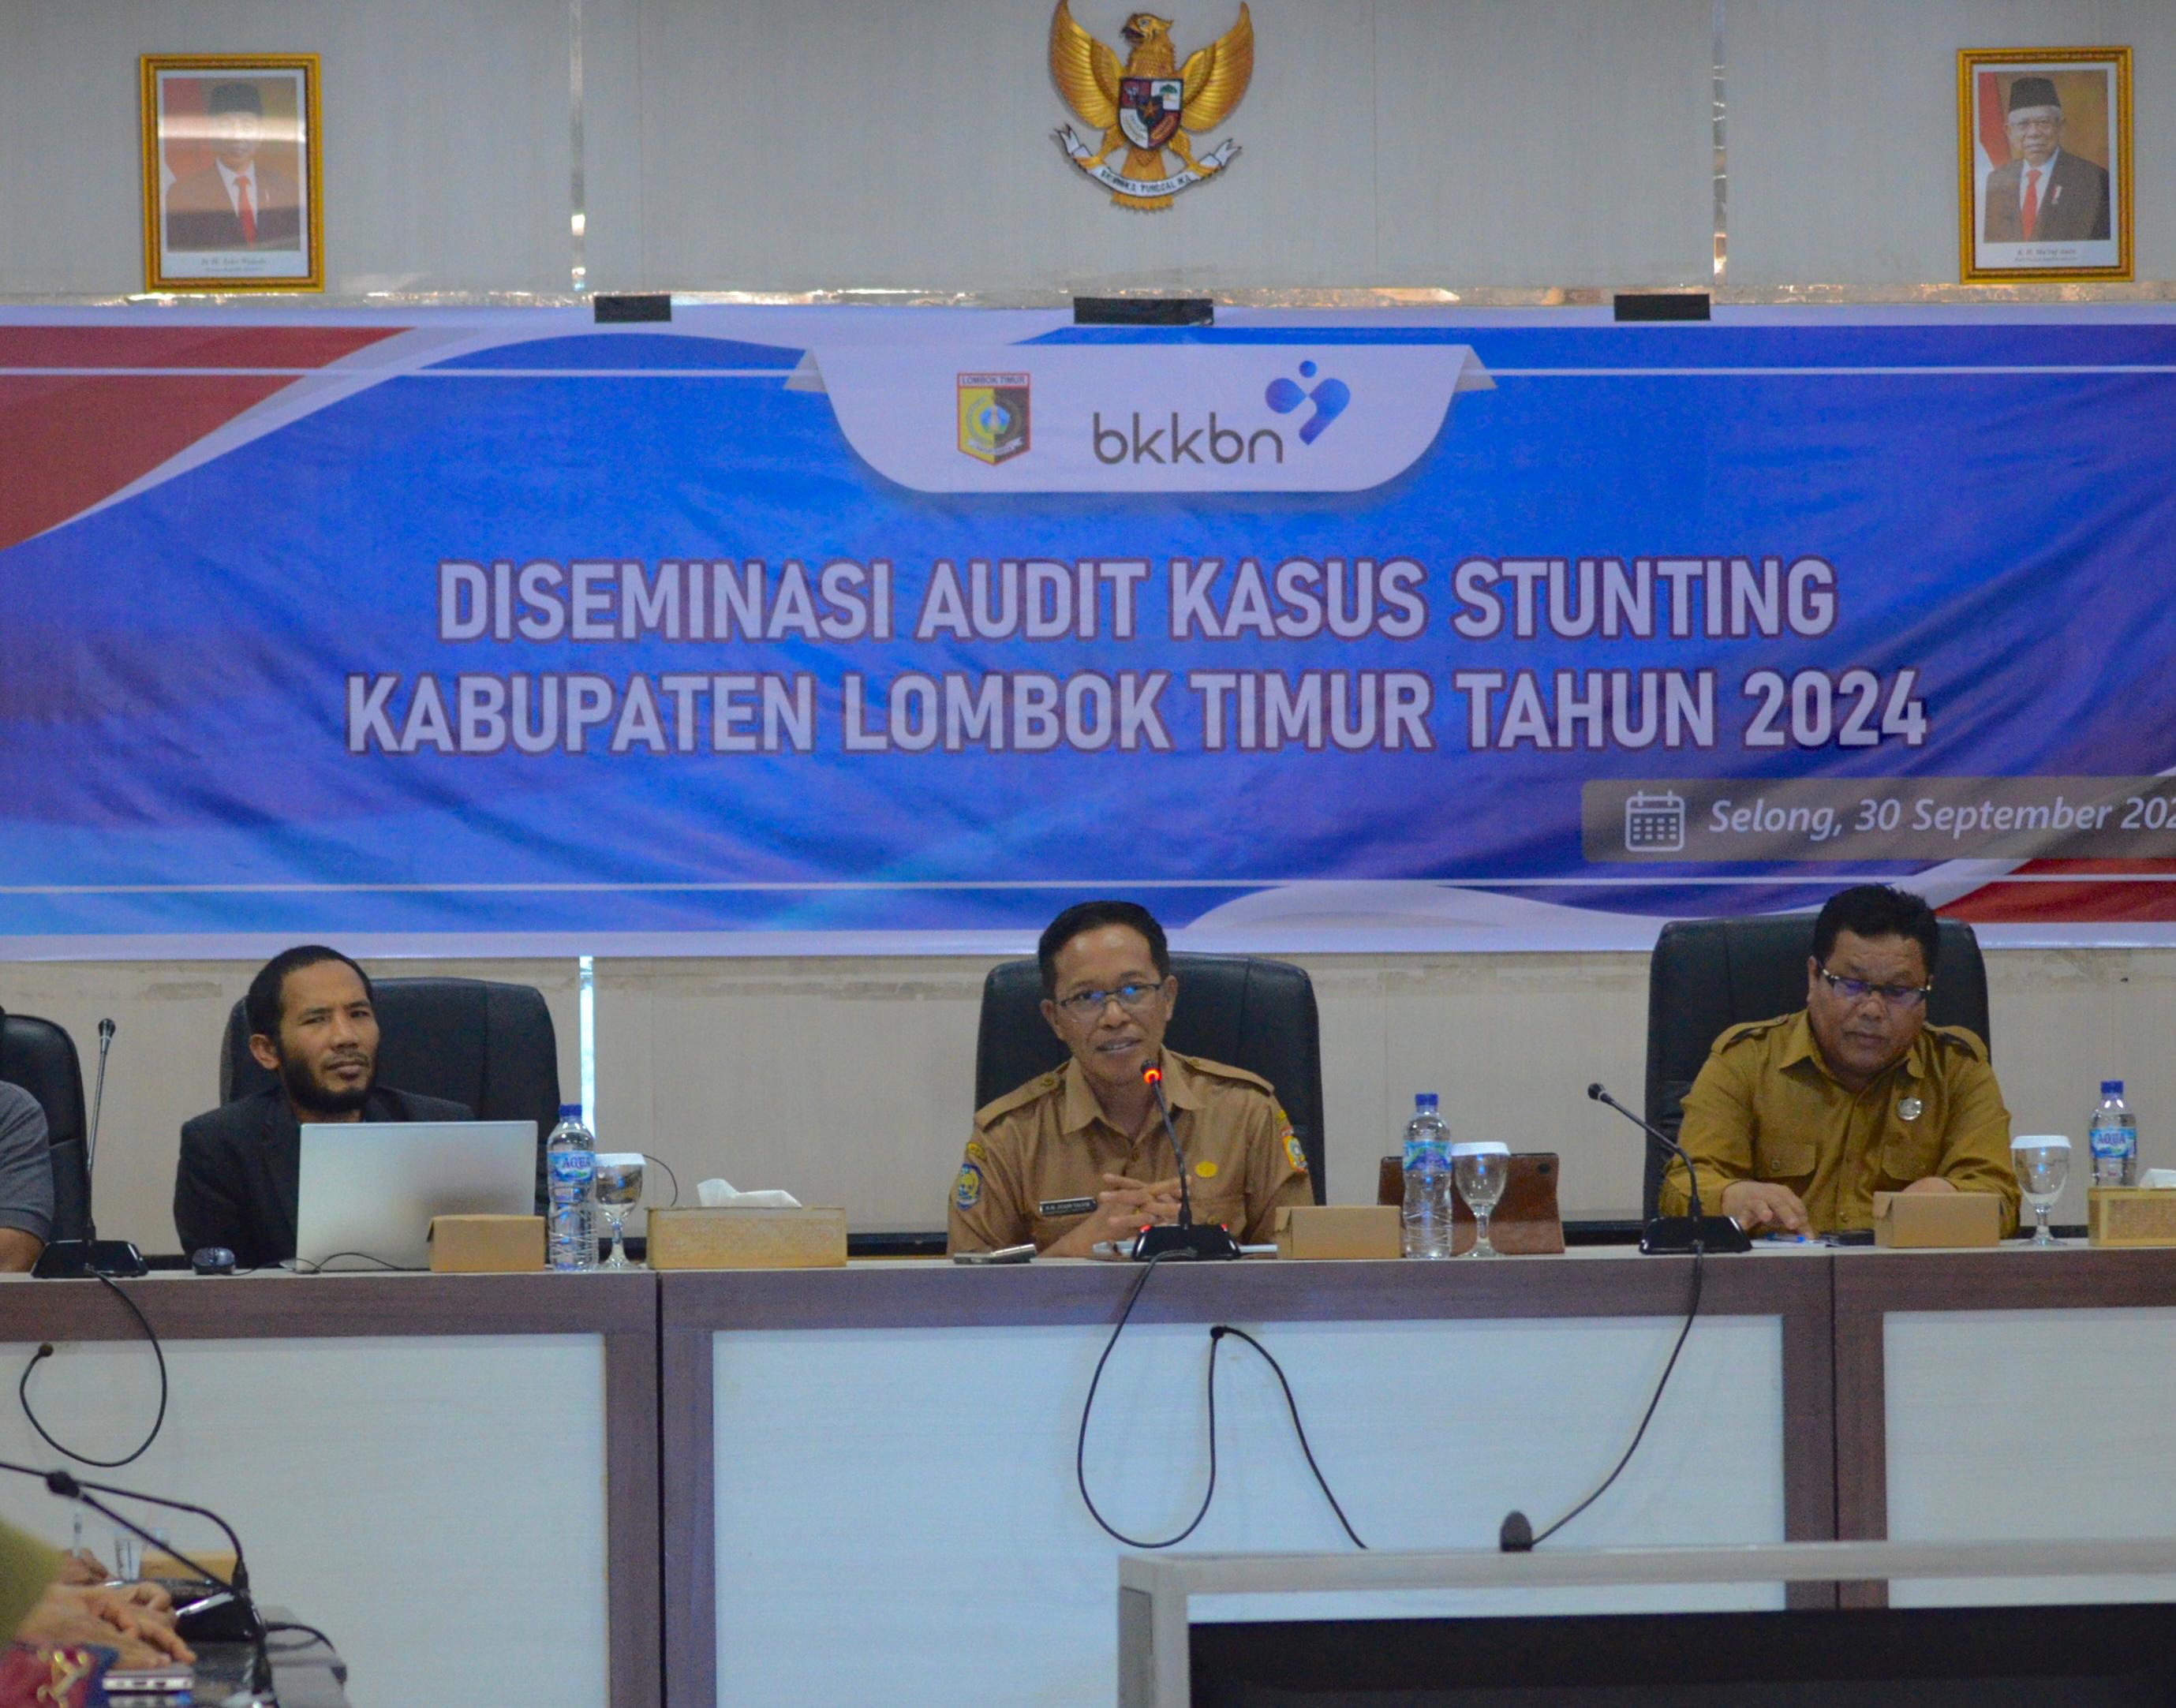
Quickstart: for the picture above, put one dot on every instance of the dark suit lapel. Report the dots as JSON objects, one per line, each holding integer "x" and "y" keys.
{"x": 282, "y": 1136}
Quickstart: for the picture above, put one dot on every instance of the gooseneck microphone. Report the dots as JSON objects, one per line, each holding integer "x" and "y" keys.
{"x": 74, "y": 1258}
{"x": 229, "y": 1615}
{"x": 1185, "y": 1240}
{"x": 1679, "y": 1234}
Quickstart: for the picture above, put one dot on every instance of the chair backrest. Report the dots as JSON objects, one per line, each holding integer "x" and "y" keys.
{"x": 1239, "y": 1009}
{"x": 41, "y": 1057}
{"x": 490, "y": 1046}
{"x": 1708, "y": 974}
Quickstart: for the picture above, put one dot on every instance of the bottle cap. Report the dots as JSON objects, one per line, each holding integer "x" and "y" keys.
{"x": 2111, "y": 1088}
{"x": 570, "y": 1112}
{"x": 1424, "y": 1100}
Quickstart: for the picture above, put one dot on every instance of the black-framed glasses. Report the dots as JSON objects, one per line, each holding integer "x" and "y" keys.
{"x": 1894, "y": 996}
{"x": 1086, "y": 1005}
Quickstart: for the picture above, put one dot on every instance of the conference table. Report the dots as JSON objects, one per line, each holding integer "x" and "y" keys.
{"x": 841, "y": 1486}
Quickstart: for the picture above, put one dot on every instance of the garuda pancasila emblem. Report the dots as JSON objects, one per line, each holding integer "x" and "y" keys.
{"x": 1150, "y": 104}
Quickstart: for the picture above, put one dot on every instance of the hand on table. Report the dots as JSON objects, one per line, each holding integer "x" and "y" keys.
{"x": 84, "y": 1570}
{"x": 1762, "y": 1205}
{"x": 1123, "y": 1208}
{"x": 72, "y": 1614}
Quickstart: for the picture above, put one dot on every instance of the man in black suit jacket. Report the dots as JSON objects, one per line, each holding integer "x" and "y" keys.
{"x": 2069, "y": 194}
{"x": 312, "y": 1022}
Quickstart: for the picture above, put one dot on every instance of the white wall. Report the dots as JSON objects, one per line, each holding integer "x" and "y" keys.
{"x": 735, "y": 145}
{"x": 852, "y": 1082}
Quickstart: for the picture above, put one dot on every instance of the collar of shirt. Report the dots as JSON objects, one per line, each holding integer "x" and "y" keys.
{"x": 1081, "y": 1111}
{"x": 230, "y": 177}
{"x": 1800, "y": 1045}
{"x": 2026, "y": 169}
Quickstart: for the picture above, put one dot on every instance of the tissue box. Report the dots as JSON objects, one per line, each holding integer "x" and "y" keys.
{"x": 1314, "y": 1230}
{"x": 1937, "y": 1218}
{"x": 486, "y": 1244}
{"x": 2130, "y": 1215}
{"x": 737, "y": 1237}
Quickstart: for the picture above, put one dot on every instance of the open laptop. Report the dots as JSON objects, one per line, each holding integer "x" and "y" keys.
{"x": 372, "y": 1187}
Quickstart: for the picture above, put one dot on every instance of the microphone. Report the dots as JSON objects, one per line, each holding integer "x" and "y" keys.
{"x": 1185, "y": 1240}
{"x": 228, "y": 1616}
{"x": 1678, "y": 1234}
{"x": 75, "y": 1259}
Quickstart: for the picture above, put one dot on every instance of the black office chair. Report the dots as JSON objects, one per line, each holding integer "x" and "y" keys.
{"x": 41, "y": 1057}
{"x": 490, "y": 1046}
{"x": 1708, "y": 974}
{"x": 1239, "y": 1009}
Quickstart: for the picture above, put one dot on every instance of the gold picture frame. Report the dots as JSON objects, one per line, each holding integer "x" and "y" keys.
{"x": 2062, "y": 215}
{"x": 231, "y": 172}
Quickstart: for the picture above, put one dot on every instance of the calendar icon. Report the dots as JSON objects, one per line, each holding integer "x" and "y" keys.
{"x": 1655, "y": 824}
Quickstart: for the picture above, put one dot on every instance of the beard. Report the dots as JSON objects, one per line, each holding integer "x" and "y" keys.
{"x": 307, "y": 1093}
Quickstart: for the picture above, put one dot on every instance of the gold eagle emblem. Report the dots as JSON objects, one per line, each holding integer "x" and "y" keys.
{"x": 1150, "y": 104}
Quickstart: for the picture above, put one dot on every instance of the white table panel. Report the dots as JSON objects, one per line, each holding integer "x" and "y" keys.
{"x": 897, "y": 1519}
{"x": 2055, "y": 1423}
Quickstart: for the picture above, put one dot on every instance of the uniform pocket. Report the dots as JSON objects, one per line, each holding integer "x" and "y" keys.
{"x": 1782, "y": 1160}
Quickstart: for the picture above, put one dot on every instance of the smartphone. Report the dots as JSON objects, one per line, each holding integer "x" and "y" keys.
{"x": 1010, "y": 1254}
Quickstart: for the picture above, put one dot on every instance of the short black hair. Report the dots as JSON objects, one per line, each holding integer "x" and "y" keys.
{"x": 1090, "y": 915}
{"x": 1877, "y": 910}
{"x": 261, "y": 1007}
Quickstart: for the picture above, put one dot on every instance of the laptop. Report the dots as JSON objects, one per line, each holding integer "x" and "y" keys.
{"x": 369, "y": 1189}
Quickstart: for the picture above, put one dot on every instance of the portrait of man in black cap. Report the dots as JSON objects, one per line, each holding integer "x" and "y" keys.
{"x": 247, "y": 198}
{"x": 2043, "y": 193}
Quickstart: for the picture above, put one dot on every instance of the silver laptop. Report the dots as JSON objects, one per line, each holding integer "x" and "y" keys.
{"x": 370, "y": 1188}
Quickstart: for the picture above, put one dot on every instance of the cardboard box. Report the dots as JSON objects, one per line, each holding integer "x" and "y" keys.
{"x": 2130, "y": 1215}
{"x": 1931, "y": 1219}
{"x": 1317, "y": 1231}
{"x": 737, "y": 1237}
{"x": 486, "y": 1244}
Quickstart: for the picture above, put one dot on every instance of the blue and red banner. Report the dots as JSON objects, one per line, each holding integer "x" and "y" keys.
{"x": 779, "y": 630}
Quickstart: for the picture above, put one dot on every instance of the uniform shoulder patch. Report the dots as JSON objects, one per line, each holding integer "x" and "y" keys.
{"x": 1744, "y": 1029}
{"x": 1960, "y": 1038}
{"x": 967, "y": 1190}
{"x": 1041, "y": 1085}
{"x": 1293, "y": 1149}
{"x": 1225, "y": 1070}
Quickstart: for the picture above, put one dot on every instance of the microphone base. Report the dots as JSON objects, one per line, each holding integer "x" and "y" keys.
{"x": 219, "y": 1617}
{"x": 1202, "y": 1240}
{"x": 1675, "y": 1235}
{"x": 73, "y": 1260}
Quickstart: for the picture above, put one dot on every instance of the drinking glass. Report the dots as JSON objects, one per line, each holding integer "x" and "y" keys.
{"x": 2042, "y": 1163}
{"x": 1481, "y": 1170}
{"x": 619, "y": 1189}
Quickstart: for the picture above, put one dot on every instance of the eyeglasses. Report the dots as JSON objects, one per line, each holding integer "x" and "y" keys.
{"x": 1087, "y": 1006}
{"x": 1894, "y": 996}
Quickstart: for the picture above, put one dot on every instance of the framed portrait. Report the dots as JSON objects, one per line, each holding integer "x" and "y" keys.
{"x": 230, "y": 173}
{"x": 2043, "y": 163}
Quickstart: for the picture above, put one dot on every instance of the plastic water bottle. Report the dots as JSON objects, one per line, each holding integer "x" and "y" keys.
{"x": 570, "y": 1168}
{"x": 1427, "y": 1181}
{"x": 2114, "y": 1138}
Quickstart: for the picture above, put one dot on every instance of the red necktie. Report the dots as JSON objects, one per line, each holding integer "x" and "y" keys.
{"x": 2032, "y": 213}
{"x": 248, "y": 213}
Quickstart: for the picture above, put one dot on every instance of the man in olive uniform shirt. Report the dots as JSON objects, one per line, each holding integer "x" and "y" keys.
{"x": 1080, "y": 1155}
{"x": 1796, "y": 1123}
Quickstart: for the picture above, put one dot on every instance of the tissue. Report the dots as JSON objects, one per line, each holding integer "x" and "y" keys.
{"x": 718, "y": 1194}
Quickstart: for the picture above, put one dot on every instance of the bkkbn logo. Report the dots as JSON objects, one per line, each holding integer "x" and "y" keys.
{"x": 1169, "y": 440}
{"x": 1329, "y": 399}
{"x": 993, "y": 416}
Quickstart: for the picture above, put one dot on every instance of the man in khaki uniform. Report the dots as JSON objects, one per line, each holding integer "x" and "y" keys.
{"x": 1796, "y": 1123}
{"x": 1080, "y": 1155}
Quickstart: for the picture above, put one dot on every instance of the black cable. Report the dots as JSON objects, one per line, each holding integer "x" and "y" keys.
{"x": 315, "y": 1634}
{"x": 1692, "y": 1312}
{"x": 650, "y": 1157}
{"x": 304, "y": 1267}
{"x": 1080, "y": 1443}
{"x": 1216, "y": 1334}
{"x": 1299, "y": 1428}
{"x": 45, "y": 1351}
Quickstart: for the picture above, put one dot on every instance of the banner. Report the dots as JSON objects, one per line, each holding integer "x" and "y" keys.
{"x": 849, "y": 631}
